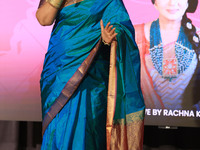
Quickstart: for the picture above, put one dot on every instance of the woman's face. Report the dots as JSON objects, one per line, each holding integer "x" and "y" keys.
{"x": 172, "y": 10}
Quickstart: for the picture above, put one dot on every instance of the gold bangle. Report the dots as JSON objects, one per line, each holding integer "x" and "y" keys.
{"x": 55, "y": 3}
{"x": 105, "y": 43}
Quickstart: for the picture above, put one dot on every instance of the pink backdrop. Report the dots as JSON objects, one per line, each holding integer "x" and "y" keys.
{"x": 22, "y": 49}
{"x": 23, "y": 44}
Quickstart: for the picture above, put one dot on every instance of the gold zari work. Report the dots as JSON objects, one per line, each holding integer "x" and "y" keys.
{"x": 128, "y": 135}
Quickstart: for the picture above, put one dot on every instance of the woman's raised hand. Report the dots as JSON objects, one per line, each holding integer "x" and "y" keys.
{"x": 108, "y": 33}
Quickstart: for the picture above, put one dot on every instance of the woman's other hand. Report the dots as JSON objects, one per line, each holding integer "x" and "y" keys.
{"x": 108, "y": 33}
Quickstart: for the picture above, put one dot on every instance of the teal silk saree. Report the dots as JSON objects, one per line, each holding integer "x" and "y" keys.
{"x": 91, "y": 96}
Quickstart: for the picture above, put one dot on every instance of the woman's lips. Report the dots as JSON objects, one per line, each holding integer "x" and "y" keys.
{"x": 172, "y": 11}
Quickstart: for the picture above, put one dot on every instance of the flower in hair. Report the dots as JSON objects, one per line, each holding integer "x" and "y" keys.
{"x": 195, "y": 39}
{"x": 189, "y": 25}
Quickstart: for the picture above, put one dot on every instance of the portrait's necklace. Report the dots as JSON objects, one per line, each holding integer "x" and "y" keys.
{"x": 169, "y": 68}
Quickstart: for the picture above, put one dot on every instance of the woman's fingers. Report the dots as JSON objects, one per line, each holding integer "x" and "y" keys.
{"x": 108, "y": 33}
{"x": 112, "y": 31}
{"x": 107, "y": 26}
{"x": 114, "y": 35}
{"x": 110, "y": 28}
{"x": 101, "y": 24}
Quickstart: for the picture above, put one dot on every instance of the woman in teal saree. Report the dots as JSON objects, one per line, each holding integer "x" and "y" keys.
{"x": 90, "y": 90}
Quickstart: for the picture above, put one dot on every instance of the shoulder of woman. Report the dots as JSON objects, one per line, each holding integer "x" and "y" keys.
{"x": 143, "y": 30}
{"x": 142, "y": 25}
{"x": 139, "y": 30}
{"x": 147, "y": 27}
{"x": 138, "y": 26}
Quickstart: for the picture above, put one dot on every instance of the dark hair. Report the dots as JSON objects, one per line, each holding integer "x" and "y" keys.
{"x": 190, "y": 31}
{"x": 189, "y": 28}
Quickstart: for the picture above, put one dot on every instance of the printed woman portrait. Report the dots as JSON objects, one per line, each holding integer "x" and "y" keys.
{"x": 169, "y": 51}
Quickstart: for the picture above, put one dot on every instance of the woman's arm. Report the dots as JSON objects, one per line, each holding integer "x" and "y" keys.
{"x": 47, "y": 11}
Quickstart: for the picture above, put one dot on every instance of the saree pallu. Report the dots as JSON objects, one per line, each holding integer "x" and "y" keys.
{"x": 90, "y": 120}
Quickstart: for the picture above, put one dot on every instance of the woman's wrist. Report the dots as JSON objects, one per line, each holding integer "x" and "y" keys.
{"x": 55, "y": 3}
{"x": 105, "y": 43}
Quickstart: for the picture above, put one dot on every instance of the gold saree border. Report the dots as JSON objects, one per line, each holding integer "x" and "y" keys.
{"x": 112, "y": 92}
{"x": 127, "y": 134}
{"x": 69, "y": 88}
{"x": 132, "y": 117}
{"x": 121, "y": 134}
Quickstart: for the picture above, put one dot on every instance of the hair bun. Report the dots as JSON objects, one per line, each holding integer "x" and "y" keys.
{"x": 192, "y": 6}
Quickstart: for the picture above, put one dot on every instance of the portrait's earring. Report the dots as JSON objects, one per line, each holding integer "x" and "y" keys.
{"x": 189, "y": 25}
{"x": 195, "y": 39}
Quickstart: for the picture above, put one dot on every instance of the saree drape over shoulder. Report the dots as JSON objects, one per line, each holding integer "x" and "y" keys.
{"x": 91, "y": 96}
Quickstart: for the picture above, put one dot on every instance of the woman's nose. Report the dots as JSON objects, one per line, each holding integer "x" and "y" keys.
{"x": 173, "y": 2}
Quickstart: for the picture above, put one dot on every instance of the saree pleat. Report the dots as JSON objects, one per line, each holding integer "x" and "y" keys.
{"x": 69, "y": 88}
{"x": 95, "y": 113}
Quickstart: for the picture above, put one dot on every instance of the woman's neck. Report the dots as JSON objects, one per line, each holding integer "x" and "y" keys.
{"x": 169, "y": 25}
{"x": 169, "y": 30}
